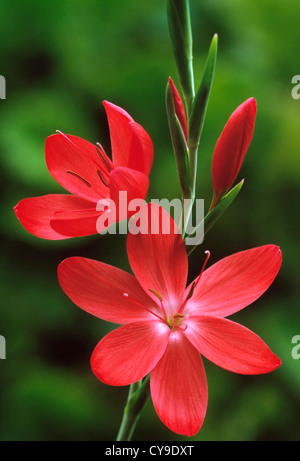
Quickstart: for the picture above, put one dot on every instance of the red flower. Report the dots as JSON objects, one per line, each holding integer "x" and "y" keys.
{"x": 232, "y": 146}
{"x": 85, "y": 170}
{"x": 166, "y": 326}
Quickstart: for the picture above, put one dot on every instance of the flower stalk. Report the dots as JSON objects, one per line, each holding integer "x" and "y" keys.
{"x": 137, "y": 398}
{"x": 186, "y": 142}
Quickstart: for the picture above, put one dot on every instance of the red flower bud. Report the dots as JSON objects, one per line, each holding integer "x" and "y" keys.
{"x": 232, "y": 146}
{"x": 179, "y": 109}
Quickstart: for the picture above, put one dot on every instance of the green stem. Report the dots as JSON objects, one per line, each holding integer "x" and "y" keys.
{"x": 193, "y": 153}
{"x": 189, "y": 98}
{"x": 137, "y": 399}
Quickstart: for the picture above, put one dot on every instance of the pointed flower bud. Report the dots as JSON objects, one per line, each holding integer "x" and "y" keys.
{"x": 232, "y": 146}
{"x": 179, "y": 134}
{"x": 179, "y": 109}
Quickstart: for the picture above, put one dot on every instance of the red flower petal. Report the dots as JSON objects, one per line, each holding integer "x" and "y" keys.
{"x": 179, "y": 387}
{"x": 99, "y": 289}
{"x": 74, "y": 163}
{"x": 134, "y": 182}
{"x": 130, "y": 144}
{"x": 77, "y": 223}
{"x": 159, "y": 261}
{"x": 232, "y": 146}
{"x": 141, "y": 152}
{"x": 179, "y": 109}
{"x": 36, "y": 213}
{"x": 235, "y": 282}
{"x": 230, "y": 345}
{"x": 129, "y": 353}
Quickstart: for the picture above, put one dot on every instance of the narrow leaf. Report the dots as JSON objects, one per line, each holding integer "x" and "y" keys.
{"x": 182, "y": 43}
{"x": 201, "y": 99}
{"x": 212, "y": 217}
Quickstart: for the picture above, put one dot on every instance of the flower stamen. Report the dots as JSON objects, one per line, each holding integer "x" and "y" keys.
{"x": 79, "y": 177}
{"x": 104, "y": 157}
{"x": 181, "y": 329}
{"x": 103, "y": 179}
{"x": 126, "y": 295}
{"x": 159, "y": 296}
{"x": 175, "y": 318}
{"x": 195, "y": 283}
{"x": 207, "y": 252}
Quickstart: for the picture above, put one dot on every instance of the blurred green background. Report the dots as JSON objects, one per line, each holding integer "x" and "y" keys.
{"x": 60, "y": 60}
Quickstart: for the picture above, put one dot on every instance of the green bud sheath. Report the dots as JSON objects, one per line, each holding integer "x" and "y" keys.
{"x": 197, "y": 116}
{"x": 182, "y": 44}
{"x": 179, "y": 145}
{"x": 214, "y": 214}
{"x": 201, "y": 100}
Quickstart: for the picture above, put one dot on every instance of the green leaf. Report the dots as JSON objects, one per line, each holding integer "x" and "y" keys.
{"x": 182, "y": 43}
{"x": 212, "y": 217}
{"x": 201, "y": 100}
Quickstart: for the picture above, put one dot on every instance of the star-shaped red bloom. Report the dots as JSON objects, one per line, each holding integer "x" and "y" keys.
{"x": 89, "y": 175}
{"x": 168, "y": 326}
